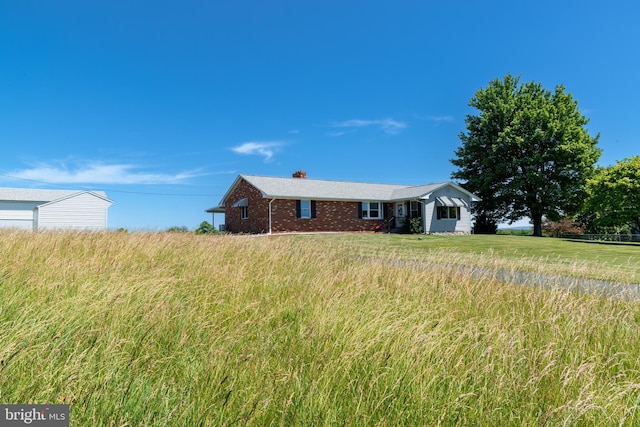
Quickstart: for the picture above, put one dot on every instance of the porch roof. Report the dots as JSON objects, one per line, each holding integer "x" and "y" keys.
{"x": 215, "y": 209}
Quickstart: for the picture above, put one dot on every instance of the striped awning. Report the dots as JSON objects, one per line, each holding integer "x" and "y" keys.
{"x": 450, "y": 201}
{"x": 241, "y": 202}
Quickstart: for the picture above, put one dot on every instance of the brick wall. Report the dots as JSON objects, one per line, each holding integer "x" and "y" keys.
{"x": 258, "y": 218}
{"x": 330, "y": 216}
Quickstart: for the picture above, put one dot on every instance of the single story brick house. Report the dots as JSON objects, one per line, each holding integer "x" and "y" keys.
{"x": 261, "y": 204}
{"x": 37, "y": 209}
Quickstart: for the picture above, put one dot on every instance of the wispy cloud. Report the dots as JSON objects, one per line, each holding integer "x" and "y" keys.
{"x": 441, "y": 119}
{"x": 336, "y": 133}
{"x": 99, "y": 173}
{"x": 389, "y": 126}
{"x": 436, "y": 120}
{"x": 257, "y": 148}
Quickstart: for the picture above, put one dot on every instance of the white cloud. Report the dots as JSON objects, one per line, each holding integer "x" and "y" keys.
{"x": 254, "y": 148}
{"x": 436, "y": 120}
{"x": 98, "y": 173}
{"x": 440, "y": 119}
{"x": 336, "y": 133}
{"x": 388, "y": 125}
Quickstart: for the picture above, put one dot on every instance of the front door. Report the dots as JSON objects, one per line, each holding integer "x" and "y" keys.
{"x": 401, "y": 213}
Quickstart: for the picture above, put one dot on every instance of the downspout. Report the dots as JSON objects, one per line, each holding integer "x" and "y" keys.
{"x": 270, "y": 201}
{"x": 424, "y": 199}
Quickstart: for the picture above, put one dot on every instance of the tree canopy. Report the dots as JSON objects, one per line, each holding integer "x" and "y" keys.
{"x": 613, "y": 204}
{"x": 527, "y": 153}
{"x": 205, "y": 228}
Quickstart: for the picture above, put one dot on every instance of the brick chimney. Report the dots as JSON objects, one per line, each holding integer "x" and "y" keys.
{"x": 300, "y": 174}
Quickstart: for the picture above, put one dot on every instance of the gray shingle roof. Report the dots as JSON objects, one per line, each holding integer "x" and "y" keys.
{"x": 296, "y": 188}
{"x": 320, "y": 189}
{"x": 37, "y": 195}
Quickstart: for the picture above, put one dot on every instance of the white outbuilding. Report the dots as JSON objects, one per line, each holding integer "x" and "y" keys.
{"x": 35, "y": 209}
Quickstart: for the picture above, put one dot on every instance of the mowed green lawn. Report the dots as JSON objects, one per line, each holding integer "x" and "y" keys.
{"x": 168, "y": 329}
{"x": 610, "y": 261}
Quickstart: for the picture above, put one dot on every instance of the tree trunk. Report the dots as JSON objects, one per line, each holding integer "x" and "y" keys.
{"x": 536, "y": 217}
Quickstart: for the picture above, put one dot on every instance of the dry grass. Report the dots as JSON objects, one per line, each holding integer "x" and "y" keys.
{"x": 176, "y": 329}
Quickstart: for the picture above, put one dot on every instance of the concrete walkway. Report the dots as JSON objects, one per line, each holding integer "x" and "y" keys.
{"x": 623, "y": 291}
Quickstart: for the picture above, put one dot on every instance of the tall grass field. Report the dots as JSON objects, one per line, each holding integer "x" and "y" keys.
{"x": 173, "y": 329}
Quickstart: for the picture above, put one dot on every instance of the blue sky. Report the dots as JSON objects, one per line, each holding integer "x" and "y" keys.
{"x": 162, "y": 104}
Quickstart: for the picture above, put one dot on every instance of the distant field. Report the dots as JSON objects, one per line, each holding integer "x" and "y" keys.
{"x": 188, "y": 330}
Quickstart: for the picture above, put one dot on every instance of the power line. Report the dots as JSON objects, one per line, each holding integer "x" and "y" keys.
{"x": 111, "y": 190}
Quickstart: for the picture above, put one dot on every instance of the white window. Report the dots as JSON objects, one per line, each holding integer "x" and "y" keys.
{"x": 448, "y": 212}
{"x": 243, "y": 204}
{"x": 305, "y": 208}
{"x": 371, "y": 210}
{"x": 414, "y": 210}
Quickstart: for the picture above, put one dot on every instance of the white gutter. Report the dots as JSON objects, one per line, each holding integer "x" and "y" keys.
{"x": 270, "y": 201}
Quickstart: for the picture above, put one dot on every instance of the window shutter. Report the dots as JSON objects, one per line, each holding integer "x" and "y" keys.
{"x": 313, "y": 209}
{"x": 419, "y": 209}
{"x": 384, "y": 210}
{"x": 359, "y": 209}
{"x": 439, "y": 212}
{"x": 458, "y": 213}
{"x": 298, "y": 215}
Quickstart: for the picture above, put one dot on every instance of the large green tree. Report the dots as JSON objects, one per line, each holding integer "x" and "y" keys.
{"x": 614, "y": 198}
{"x": 527, "y": 153}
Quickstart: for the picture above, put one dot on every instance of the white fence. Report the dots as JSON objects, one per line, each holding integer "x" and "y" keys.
{"x": 604, "y": 237}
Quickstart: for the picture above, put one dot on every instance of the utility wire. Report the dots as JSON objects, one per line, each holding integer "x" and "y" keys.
{"x": 146, "y": 193}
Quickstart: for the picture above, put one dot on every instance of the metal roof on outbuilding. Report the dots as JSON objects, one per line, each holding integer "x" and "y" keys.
{"x": 38, "y": 195}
